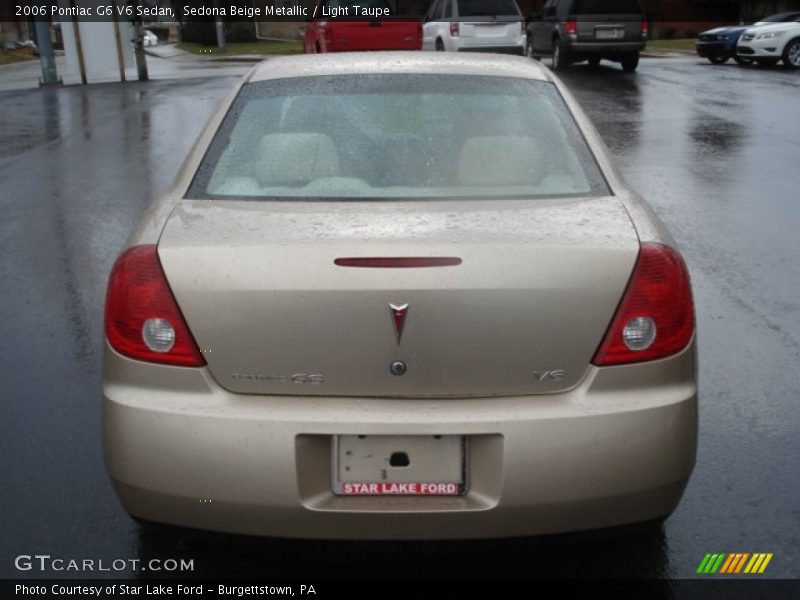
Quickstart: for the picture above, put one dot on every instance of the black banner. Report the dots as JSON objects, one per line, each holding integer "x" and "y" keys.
{"x": 303, "y": 10}
{"x": 354, "y": 589}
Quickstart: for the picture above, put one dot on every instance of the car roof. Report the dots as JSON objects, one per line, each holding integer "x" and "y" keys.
{"x": 360, "y": 63}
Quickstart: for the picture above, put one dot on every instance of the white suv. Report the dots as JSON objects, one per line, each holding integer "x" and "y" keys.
{"x": 474, "y": 26}
{"x": 770, "y": 43}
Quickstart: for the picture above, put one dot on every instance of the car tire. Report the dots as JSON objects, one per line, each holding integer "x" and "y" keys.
{"x": 557, "y": 61}
{"x": 629, "y": 63}
{"x": 439, "y": 45}
{"x": 594, "y": 61}
{"x": 791, "y": 54}
{"x": 717, "y": 60}
{"x": 744, "y": 62}
{"x": 767, "y": 62}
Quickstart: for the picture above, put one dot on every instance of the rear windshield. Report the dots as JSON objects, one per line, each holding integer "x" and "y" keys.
{"x": 397, "y": 136}
{"x": 473, "y": 8}
{"x": 607, "y": 7}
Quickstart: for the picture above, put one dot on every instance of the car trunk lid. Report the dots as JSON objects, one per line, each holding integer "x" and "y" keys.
{"x": 523, "y": 313}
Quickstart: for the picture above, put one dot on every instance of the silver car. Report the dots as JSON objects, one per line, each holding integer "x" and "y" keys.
{"x": 402, "y": 295}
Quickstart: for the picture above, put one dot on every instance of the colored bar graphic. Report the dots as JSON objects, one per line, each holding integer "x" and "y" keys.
{"x": 703, "y": 563}
{"x": 709, "y": 564}
{"x": 717, "y": 564}
{"x": 734, "y": 563}
{"x": 740, "y": 562}
{"x": 737, "y": 556}
{"x": 765, "y": 563}
{"x": 727, "y": 566}
{"x": 755, "y": 562}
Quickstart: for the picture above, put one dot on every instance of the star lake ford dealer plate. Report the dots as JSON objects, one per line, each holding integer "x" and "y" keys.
{"x": 399, "y": 465}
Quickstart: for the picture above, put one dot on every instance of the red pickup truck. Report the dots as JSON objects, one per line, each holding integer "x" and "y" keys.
{"x": 353, "y": 25}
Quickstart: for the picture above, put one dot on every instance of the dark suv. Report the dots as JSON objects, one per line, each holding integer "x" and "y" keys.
{"x": 576, "y": 30}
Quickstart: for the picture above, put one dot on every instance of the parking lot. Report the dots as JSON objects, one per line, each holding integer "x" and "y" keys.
{"x": 713, "y": 149}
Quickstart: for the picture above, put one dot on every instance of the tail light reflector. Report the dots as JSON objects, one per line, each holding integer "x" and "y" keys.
{"x": 571, "y": 27}
{"x": 142, "y": 319}
{"x": 656, "y": 316}
{"x": 455, "y": 29}
{"x": 645, "y": 27}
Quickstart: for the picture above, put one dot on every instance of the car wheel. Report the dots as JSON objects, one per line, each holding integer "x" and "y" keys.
{"x": 718, "y": 60}
{"x": 557, "y": 57}
{"x": 791, "y": 54}
{"x": 767, "y": 62}
{"x": 594, "y": 62}
{"x": 741, "y": 60}
{"x": 629, "y": 63}
{"x": 439, "y": 45}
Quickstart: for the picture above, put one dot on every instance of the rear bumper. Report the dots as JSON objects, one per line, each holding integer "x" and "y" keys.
{"x": 517, "y": 50}
{"x": 617, "y": 449}
{"x": 607, "y": 50}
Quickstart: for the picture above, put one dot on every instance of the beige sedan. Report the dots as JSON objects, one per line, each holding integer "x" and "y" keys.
{"x": 399, "y": 296}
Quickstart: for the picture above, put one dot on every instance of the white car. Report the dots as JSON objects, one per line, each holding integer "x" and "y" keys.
{"x": 474, "y": 26}
{"x": 770, "y": 43}
{"x": 150, "y": 39}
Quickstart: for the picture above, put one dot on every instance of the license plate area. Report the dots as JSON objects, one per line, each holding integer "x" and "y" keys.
{"x": 609, "y": 33}
{"x": 399, "y": 465}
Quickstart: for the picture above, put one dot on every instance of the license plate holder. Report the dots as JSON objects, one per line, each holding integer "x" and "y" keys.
{"x": 610, "y": 33}
{"x": 399, "y": 465}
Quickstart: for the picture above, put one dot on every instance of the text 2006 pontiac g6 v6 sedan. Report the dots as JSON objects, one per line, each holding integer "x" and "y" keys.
{"x": 399, "y": 296}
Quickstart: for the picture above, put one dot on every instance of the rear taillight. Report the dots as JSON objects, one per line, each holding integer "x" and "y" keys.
{"x": 455, "y": 29}
{"x": 571, "y": 27}
{"x": 656, "y": 316}
{"x": 143, "y": 320}
{"x": 645, "y": 27}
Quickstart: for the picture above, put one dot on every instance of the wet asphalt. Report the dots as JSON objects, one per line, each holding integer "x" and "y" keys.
{"x": 715, "y": 151}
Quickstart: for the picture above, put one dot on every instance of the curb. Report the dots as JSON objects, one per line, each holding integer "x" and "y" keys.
{"x": 242, "y": 58}
{"x": 166, "y": 51}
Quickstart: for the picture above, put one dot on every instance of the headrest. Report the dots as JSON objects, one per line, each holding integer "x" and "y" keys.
{"x": 294, "y": 159}
{"x": 500, "y": 161}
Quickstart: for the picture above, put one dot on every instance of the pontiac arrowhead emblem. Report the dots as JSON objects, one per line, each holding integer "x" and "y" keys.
{"x": 399, "y": 312}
